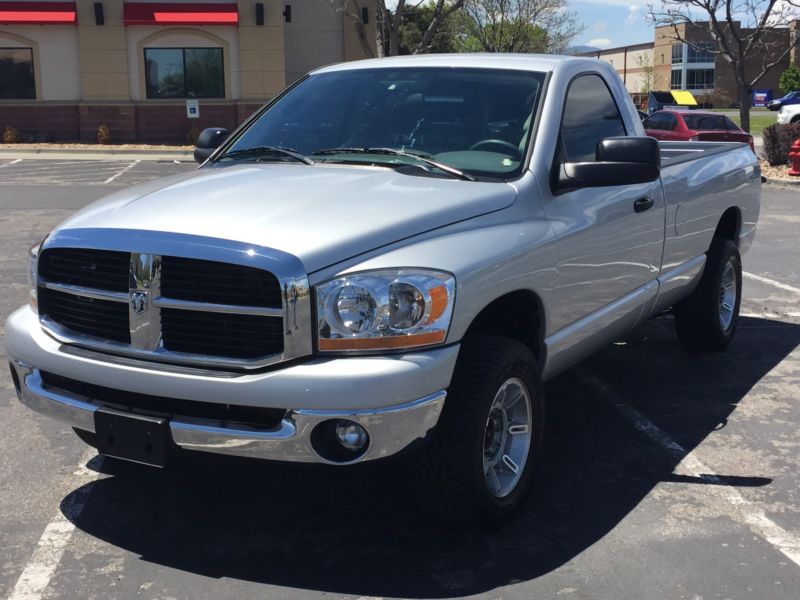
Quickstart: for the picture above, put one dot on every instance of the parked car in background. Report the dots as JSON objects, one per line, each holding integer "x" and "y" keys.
{"x": 789, "y": 114}
{"x": 695, "y": 126}
{"x": 788, "y": 100}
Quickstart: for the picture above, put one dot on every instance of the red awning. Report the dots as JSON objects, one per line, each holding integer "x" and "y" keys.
{"x": 141, "y": 13}
{"x": 37, "y": 13}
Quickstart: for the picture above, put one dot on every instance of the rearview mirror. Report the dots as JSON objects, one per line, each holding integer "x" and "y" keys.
{"x": 620, "y": 161}
{"x": 209, "y": 140}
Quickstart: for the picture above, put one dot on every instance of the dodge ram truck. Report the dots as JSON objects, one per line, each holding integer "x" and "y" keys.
{"x": 391, "y": 256}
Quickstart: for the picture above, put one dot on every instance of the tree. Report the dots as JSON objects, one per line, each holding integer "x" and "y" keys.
{"x": 741, "y": 30}
{"x": 646, "y": 65}
{"x": 389, "y": 23}
{"x": 417, "y": 21}
{"x": 518, "y": 25}
{"x": 790, "y": 79}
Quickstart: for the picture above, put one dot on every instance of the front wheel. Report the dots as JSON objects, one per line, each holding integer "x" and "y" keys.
{"x": 706, "y": 320}
{"x": 479, "y": 463}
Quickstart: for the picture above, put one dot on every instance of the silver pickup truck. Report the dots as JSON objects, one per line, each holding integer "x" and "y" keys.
{"x": 392, "y": 255}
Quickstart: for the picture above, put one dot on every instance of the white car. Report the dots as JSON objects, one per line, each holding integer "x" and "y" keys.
{"x": 789, "y": 114}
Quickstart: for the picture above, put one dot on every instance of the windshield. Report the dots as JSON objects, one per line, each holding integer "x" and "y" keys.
{"x": 474, "y": 120}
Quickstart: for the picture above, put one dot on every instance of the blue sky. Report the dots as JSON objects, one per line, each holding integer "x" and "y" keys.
{"x": 612, "y": 23}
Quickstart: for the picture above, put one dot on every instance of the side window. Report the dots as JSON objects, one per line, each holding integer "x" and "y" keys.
{"x": 590, "y": 115}
{"x": 670, "y": 122}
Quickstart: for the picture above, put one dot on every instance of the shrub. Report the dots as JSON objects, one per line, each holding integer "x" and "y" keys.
{"x": 778, "y": 140}
{"x": 790, "y": 79}
{"x": 11, "y": 135}
{"x": 103, "y": 134}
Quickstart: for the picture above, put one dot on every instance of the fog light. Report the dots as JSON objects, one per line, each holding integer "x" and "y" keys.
{"x": 351, "y": 435}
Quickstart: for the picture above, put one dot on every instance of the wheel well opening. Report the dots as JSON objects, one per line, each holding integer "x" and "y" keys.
{"x": 728, "y": 226}
{"x": 518, "y": 315}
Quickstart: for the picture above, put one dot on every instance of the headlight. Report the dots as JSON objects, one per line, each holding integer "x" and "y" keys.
{"x": 33, "y": 280}
{"x": 384, "y": 310}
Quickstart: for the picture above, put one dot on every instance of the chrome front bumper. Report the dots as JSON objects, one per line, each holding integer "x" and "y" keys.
{"x": 390, "y": 429}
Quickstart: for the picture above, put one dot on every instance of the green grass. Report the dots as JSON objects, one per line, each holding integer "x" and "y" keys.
{"x": 754, "y": 109}
{"x": 758, "y": 121}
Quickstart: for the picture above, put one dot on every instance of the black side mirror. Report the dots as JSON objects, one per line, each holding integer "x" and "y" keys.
{"x": 209, "y": 140}
{"x": 620, "y": 161}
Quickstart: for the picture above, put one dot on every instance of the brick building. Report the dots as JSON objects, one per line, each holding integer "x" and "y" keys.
{"x": 668, "y": 64}
{"x": 68, "y": 67}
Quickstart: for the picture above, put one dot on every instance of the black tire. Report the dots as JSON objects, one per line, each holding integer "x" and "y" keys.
{"x": 697, "y": 318}
{"x": 451, "y": 483}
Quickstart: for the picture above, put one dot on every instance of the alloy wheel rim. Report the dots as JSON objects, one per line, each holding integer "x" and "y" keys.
{"x": 727, "y": 296}
{"x": 507, "y": 437}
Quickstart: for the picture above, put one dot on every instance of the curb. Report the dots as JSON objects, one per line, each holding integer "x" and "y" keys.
{"x": 95, "y": 154}
{"x": 783, "y": 181}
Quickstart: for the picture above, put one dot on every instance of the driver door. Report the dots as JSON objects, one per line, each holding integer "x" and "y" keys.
{"x": 610, "y": 239}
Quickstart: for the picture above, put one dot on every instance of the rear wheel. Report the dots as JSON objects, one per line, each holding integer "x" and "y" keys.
{"x": 479, "y": 463}
{"x": 706, "y": 320}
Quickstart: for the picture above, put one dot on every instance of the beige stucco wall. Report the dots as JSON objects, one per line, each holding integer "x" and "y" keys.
{"x": 630, "y": 68}
{"x": 353, "y": 50}
{"x": 261, "y": 51}
{"x": 103, "y": 55}
{"x": 55, "y": 57}
{"x": 314, "y": 38}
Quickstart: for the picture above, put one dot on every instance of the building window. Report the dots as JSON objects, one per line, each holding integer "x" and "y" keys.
{"x": 184, "y": 73}
{"x": 677, "y": 53}
{"x": 17, "y": 81}
{"x": 676, "y": 82}
{"x": 702, "y": 53}
{"x": 700, "y": 79}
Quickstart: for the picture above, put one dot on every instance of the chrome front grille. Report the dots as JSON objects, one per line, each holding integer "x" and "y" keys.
{"x": 191, "y": 311}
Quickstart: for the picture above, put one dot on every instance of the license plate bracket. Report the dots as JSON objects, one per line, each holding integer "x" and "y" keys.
{"x": 129, "y": 436}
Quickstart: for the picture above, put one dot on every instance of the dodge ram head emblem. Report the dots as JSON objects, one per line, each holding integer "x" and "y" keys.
{"x": 139, "y": 301}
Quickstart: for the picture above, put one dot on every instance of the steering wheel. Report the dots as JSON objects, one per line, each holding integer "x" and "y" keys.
{"x": 501, "y": 146}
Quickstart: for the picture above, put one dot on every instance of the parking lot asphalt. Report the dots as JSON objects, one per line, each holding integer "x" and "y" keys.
{"x": 666, "y": 474}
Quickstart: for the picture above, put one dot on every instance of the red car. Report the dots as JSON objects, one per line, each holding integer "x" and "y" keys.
{"x": 695, "y": 126}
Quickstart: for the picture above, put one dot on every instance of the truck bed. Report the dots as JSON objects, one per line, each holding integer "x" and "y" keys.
{"x": 673, "y": 153}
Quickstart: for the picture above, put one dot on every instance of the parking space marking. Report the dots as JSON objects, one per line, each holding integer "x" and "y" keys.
{"x": 125, "y": 169}
{"x": 36, "y": 576}
{"x": 771, "y": 282}
{"x": 13, "y": 162}
{"x": 738, "y": 507}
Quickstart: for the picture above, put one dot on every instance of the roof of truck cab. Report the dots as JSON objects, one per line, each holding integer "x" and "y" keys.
{"x": 527, "y": 62}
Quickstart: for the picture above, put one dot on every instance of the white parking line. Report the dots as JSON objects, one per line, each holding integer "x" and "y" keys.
{"x": 50, "y": 549}
{"x": 13, "y": 162}
{"x": 772, "y": 282}
{"x": 123, "y": 170}
{"x": 737, "y": 506}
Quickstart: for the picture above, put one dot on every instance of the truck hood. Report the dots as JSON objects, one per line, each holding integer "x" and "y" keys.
{"x": 322, "y": 214}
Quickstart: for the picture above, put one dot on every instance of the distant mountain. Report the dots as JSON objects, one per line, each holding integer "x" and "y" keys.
{"x": 581, "y": 50}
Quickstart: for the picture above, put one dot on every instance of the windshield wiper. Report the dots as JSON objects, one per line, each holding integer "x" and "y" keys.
{"x": 256, "y": 151}
{"x": 425, "y": 158}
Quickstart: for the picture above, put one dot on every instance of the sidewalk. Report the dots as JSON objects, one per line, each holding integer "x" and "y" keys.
{"x": 95, "y": 152}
